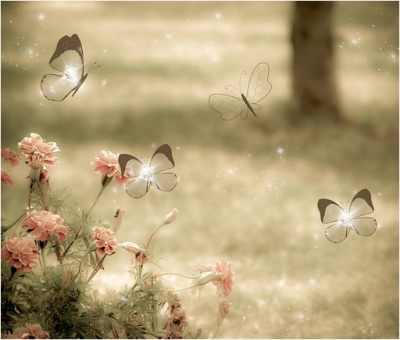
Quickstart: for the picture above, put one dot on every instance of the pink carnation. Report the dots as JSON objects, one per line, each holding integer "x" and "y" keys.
{"x": 20, "y": 253}
{"x": 225, "y": 285}
{"x": 41, "y": 224}
{"x": 11, "y": 156}
{"x": 6, "y": 178}
{"x": 105, "y": 241}
{"x": 31, "y": 331}
{"x": 107, "y": 163}
{"x": 38, "y": 151}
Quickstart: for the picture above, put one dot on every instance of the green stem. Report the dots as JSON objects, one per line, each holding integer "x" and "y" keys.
{"x": 148, "y": 243}
{"x": 7, "y": 227}
{"x": 97, "y": 268}
{"x": 197, "y": 310}
{"x": 81, "y": 227}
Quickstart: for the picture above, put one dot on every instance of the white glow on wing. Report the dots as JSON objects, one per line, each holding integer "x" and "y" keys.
{"x": 146, "y": 172}
{"x": 345, "y": 218}
{"x": 72, "y": 73}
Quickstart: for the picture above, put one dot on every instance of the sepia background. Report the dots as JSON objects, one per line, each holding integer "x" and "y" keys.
{"x": 248, "y": 189}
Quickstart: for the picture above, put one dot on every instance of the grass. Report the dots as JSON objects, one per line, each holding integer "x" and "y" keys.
{"x": 237, "y": 196}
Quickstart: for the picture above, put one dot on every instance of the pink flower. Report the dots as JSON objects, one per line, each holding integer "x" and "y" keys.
{"x": 41, "y": 224}
{"x": 105, "y": 241}
{"x": 107, "y": 163}
{"x": 11, "y": 156}
{"x": 38, "y": 151}
{"x": 31, "y": 331}
{"x": 6, "y": 178}
{"x": 225, "y": 284}
{"x": 20, "y": 253}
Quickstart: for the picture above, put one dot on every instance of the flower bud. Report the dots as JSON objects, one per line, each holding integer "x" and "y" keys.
{"x": 118, "y": 219}
{"x": 206, "y": 277}
{"x": 171, "y": 217}
{"x": 34, "y": 175}
{"x": 105, "y": 180}
{"x": 223, "y": 310}
{"x": 131, "y": 247}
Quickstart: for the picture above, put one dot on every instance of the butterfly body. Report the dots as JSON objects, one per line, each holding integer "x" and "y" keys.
{"x": 230, "y": 107}
{"x": 142, "y": 176}
{"x": 345, "y": 220}
{"x": 67, "y": 59}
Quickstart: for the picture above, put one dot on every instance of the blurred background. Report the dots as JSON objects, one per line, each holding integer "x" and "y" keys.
{"x": 248, "y": 189}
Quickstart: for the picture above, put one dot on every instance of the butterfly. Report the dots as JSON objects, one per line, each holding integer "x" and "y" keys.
{"x": 67, "y": 59}
{"x": 143, "y": 176}
{"x": 349, "y": 219}
{"x": 230, "y": 107}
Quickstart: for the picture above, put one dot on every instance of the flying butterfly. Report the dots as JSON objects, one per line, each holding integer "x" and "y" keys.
{"x": 345, "y": 220}
{"x": 143, "y": 176}
{"x": 230, "y": 107}
{"x": 67, "y": 59}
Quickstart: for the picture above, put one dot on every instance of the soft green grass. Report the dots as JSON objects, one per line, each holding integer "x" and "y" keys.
{"x": 237, "y": 197}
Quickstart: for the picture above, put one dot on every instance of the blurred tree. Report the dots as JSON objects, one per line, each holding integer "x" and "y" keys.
{"x": 314, "y": 90}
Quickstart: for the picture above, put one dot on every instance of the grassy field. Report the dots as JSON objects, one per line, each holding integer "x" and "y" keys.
{"x": 248, "y": 189}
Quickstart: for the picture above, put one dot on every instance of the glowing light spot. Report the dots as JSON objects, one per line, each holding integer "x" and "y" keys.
{"x": 218, "y": 15}
{"x": 41, "y": 16}
{"x": 281, "y": 283}
{"x": 146, "y": 173}
{"x": 345, "y": 218}
{"x": 311, "y": 281}
{"x": 280, "y": 151}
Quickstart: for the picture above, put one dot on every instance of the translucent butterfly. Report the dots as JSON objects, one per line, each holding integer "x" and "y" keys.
{"x": 67, "y": 59}
{"x": 229, "y": 107}
{"x": 346, "y": 220}
{"x": 143, "y": 176}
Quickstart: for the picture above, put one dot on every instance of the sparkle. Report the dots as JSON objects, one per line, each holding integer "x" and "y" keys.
{"x": 345, "y": 218}
{"x": 280, "y": 151}
{"x": 146, "y": 172}
{"x": 218, "y": 15}
{"x": 41, "y": 16}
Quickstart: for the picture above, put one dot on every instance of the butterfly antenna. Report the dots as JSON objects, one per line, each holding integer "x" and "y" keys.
{"x": 227, "y": 86}
{"x": 93, "y": 66}
{"x": 240, "y": 80}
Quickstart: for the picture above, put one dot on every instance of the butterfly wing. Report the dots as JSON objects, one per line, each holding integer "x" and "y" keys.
{"x": 56, "y": 88}
{"x": 229, "y": 107}
{"x": 162, "y": 160}
{"x": 165, "y": 181}
{"x": 331, "y": 212}
{"x": 259, "y": 86}
{"x": 362, "y": 205}
{"x": 68, "y": 59}
{"x": 68, "y": 54}
{"x": 139, "y": 185}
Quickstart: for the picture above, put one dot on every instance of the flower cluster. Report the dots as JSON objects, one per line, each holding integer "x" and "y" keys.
{"x": 51, "y": 253}
{"x": 42, "y": 224}
{"x": 31, "y": 331}
{"x": 20, "y": 254}
{"x": 107, "y": 164}
{"x": 105, "y": 241}
{"x": 38, "y": 152}
{"x": 11, "y": 157}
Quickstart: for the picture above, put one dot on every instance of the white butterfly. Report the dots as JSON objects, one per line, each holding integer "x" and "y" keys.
{"x": 142, "y": 176}
{"x": 67, "y": 59}
{"x": 230, "y": 107}
{"x": 346, "y": 220}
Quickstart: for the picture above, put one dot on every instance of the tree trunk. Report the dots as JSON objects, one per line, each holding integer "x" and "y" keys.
{"x": 314, "y": 88}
